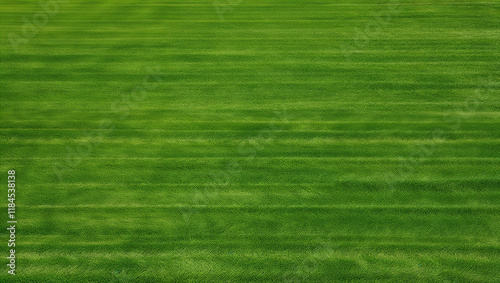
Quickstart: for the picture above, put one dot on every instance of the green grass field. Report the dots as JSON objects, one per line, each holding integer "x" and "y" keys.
{"x": 251, "y": 141}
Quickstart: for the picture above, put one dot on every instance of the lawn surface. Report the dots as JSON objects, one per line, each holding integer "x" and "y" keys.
{"x": 252, "y": 141}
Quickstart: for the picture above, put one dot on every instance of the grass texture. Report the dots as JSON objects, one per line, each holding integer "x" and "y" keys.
{"x": 252, "y": 141}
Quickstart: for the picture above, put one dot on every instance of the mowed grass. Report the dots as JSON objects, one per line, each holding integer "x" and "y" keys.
{"x": 277, "y": 141}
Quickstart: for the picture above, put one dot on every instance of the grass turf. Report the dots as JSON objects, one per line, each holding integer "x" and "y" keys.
{"x": 252, "y": 141}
